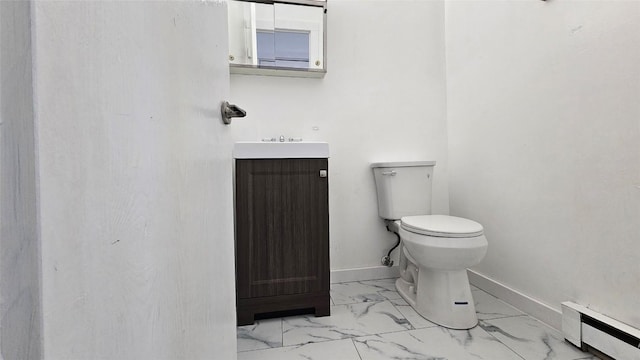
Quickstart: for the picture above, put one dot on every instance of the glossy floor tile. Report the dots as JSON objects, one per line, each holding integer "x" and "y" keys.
{"x": 532, "y": 339}
{"x": 434, "y": 343}
{"x": 337, "y": 349}
{"x": 346, "y": 321}
{"x": 263, "y": 334}
{"x": 370, "y": 320}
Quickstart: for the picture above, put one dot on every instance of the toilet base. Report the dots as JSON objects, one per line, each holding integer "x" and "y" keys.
{"x": 442, "y": 297}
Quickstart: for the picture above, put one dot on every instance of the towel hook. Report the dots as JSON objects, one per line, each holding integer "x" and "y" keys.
{"x": 229, "y": 111}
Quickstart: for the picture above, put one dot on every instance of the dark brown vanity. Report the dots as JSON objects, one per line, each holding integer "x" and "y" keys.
{"x": 282, "y": 236}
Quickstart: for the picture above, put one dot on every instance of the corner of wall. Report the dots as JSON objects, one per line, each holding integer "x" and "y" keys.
{"x": 517, "y": 299}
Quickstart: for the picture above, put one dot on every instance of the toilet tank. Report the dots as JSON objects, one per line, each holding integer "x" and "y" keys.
{"x": 403, "y": 188}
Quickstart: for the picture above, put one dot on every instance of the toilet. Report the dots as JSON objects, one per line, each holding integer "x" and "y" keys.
{"x": 435, "y": 250}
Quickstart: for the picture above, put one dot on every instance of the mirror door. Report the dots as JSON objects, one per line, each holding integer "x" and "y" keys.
{"x": 278, "y": 38}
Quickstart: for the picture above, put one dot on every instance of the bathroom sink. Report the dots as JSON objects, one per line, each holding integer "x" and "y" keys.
{"x": 280, "y": 150}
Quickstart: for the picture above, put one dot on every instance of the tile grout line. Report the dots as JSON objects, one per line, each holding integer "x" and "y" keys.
{"x": 355, "y": 347}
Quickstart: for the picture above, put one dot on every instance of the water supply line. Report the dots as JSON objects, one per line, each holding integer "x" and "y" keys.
{"x": 386, "y": 260}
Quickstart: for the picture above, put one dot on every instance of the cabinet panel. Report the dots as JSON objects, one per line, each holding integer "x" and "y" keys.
{"x": 282, "y": 230}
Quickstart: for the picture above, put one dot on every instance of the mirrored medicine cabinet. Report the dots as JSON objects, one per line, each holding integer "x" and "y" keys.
{"x": 279, "y": 38}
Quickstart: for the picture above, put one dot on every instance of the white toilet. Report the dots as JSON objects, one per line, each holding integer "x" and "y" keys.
{"x": 435, "y": 250}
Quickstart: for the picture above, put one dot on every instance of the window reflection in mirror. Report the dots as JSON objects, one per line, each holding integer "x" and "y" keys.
{"x": 276, "y": 36}
{"x": 283, "y": 48}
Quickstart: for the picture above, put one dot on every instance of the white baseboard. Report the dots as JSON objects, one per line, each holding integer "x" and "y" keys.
{"x": 360, "y": 274}
{"x": 523, "y": 302}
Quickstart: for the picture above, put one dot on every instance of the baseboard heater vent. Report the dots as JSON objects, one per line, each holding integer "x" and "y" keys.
{"x": 586, "y": 328}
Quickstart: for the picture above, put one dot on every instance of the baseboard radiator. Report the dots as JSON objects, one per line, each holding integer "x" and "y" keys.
{"x": 586, "y": 329}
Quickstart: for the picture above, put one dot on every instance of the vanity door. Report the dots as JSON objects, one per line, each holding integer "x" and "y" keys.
{"x": 282, "y": 227}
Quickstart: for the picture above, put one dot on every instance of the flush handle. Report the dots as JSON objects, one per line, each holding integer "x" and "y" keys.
{"x": 389, "y": 173}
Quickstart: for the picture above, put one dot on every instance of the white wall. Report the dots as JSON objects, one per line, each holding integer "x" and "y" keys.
{"x": 20, "y": 316}
{"x": 544, "y": 138}
{"x": 135, "y": 180}
{"x": 383, "y": 98}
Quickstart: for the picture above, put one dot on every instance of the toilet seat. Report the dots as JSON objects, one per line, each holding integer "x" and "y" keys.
{"x": 441, "y": 226}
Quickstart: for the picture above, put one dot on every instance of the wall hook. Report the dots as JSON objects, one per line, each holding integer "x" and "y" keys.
{"x": 229, "y": 111}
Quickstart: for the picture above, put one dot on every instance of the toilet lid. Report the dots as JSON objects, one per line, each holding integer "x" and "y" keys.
{"x": 441, "y": 226}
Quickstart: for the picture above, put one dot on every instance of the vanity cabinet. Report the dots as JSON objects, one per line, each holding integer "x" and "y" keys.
{"x": 282, "y": 236}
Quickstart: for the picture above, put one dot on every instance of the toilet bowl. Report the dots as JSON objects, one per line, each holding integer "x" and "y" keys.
{"x": 441, "y": 292}
{"x": 435, "y": 250}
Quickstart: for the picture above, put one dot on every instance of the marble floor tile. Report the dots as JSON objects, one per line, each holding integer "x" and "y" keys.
{"x": 334, "y": 350}
{"x": 490, "y": 307}
{"x": 532, "y": 339}
{"x": 434, "y": 343}
{"x": 346, "y": 321}
{"x": 416, "y": 320}
{"x": 360, "y": 291}
{"x": 263, "y": 334}
{"x": 370, "y": 320}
